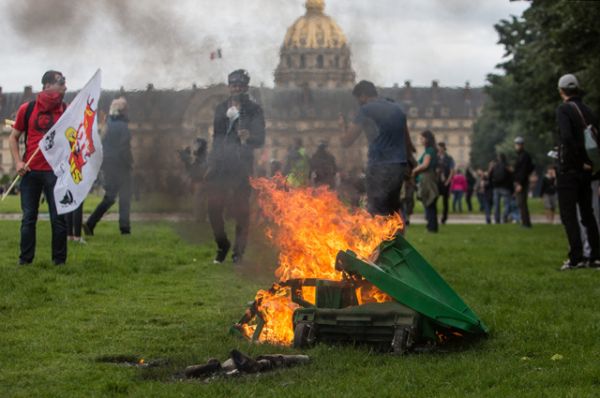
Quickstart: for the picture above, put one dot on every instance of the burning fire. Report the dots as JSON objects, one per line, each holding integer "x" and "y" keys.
{"x": 310, "y": 226}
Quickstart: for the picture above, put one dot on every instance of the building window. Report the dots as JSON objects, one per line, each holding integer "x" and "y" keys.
{"x": 337, "y": 61}
{"x": 445, "y": 111}
{"x": 413, "y": 111}
{"x": 461, "y": 140}
{"x": 302, "y": 61}
{"x": 289, "y": 61}
{"x": 429, "y": 111}
{"x": 320, "y": 61}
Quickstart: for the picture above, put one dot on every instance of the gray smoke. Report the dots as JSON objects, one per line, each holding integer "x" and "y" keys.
{"x": 157, "y": 42}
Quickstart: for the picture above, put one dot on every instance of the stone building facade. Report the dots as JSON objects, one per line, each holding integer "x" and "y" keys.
{"x": 307, "y": 98}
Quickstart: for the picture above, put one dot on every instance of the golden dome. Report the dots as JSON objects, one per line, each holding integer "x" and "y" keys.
{"x": 314, "y": 29}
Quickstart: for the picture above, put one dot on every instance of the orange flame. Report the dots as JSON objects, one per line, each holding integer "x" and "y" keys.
{"x": 311, "y": 225}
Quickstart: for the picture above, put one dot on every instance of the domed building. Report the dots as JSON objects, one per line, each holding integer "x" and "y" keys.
{"x": 315, "y": 52}
{"x": 313, "y": 85}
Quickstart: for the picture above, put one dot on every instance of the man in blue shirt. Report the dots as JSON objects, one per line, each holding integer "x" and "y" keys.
{"x": 384, "y": 124}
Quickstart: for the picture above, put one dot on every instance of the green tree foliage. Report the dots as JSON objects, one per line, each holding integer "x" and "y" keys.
{"x": 551, "y": 38}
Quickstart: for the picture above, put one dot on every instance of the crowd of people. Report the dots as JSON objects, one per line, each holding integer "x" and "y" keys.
{"x": 393, "y": 175}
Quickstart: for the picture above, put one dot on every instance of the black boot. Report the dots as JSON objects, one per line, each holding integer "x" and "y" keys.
{"x": 244, "y": 363}
{"x": 223, "y": 249}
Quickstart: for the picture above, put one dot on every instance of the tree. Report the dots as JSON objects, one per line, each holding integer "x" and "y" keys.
{"x": 551, "y": 38}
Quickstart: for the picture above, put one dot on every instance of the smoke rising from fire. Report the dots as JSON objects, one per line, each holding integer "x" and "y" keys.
{"x": 151, "y": 40}
{"x": 169, "y": 43}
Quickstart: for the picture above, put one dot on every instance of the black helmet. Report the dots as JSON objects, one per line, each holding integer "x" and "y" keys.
{"x": 239, "y": 76}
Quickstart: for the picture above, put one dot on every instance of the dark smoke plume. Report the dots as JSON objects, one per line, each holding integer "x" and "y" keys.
{"x": 158, "y": 43}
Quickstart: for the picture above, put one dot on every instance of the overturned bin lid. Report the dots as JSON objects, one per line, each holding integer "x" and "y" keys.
{"x": 404, "y": 274}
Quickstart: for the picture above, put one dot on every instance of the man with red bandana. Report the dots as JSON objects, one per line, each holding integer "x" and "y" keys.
{"x": 34, "y": 120}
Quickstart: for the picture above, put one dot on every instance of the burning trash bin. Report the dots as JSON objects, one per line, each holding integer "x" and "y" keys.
{"x": 382, "y": 292}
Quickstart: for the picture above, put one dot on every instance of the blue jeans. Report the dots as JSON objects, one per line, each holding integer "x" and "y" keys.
{"x": 485, "y": 205}
{"x": 457, "y": 201}
{"x": 32, "y": 186}
{"x": 500, "y": 193}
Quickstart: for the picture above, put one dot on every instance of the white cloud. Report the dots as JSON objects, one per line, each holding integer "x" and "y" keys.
{"x": 169, "y": 44}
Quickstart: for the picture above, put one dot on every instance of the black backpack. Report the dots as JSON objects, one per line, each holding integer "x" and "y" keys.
{"x": 28, "y": 113}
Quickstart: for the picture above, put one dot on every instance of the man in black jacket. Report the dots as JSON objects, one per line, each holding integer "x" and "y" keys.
{"x": 502, "y": 184}
{"x": 523, "y": 168}
{"x": 446, "y": 170}
{"x": 239, "y": 128}
{"x": 574, "y": 173}
{"x": 116, "y": 168}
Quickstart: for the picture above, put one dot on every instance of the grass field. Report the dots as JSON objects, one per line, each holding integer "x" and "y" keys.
{"x": 157, "y": 203}
{"x": 156, "y": 295}
{"x": 153, "y": 203}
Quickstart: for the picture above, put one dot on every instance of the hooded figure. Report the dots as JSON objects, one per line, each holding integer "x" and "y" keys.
{"x": 116, "y": 168}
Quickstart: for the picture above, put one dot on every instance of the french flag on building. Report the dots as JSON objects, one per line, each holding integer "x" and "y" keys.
{"x": 216, "y": 54}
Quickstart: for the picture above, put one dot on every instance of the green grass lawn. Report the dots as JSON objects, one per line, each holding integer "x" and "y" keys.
{"x": 152, "y": 203}
{"x": 157, "y": 295}
{"x": 158, "y": 203}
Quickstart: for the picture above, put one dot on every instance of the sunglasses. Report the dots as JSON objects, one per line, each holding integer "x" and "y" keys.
{"x": 61, "y": 80}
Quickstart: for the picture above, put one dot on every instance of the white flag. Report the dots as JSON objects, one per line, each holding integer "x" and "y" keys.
{"x": 73, "y": 148}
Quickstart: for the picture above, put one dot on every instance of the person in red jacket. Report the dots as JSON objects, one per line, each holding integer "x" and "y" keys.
{"x": 34, "y": 119}
{"x": 458, "y": 187}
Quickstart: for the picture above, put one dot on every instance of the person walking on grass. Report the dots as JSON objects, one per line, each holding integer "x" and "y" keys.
{"x": 239, "y": 129}
{"x": 501, "y": 179}
{"x": 573, "y": 181}
{"x": 34, "y": 119}
{"x": 548, "y": 193}
{"x": 116, "y": 168}
{"x": 427, "y": 182}
{"x": 74, "y": 225}
{"x": 446, "y": 170}
{"x": 458, "y": 187}
{"x": 522, "y": 170}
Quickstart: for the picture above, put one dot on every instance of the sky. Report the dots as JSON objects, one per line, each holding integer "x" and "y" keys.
{"x": 168, "y": 43}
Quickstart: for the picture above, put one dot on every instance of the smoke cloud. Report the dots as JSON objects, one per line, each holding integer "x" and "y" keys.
{"x": 169, "y": 43}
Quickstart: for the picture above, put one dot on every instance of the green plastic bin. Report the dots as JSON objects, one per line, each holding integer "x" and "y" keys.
{"x": 404, "y": 274}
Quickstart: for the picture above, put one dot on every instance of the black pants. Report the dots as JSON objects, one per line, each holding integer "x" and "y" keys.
{"x": 468, "y": 199}
{"x": 383, "y": 183}
{"x": 574, "y": 191}
{"x": 117, "y": 181}
{"x": 431, "y": 216}
{"x": 522, "y": 203}
{"x": 32, "y": 185}
{"x": 74, "y": 221}
{"x": 236, "y": 193}
{"x": 445, "y": 194}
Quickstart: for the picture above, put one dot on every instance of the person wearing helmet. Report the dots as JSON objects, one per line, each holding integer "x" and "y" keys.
{"x": 239, "y": 128}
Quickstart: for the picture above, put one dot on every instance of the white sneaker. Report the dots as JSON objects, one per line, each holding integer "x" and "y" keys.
{"x": 568, "y": 266}
{"x": 594, "y": 264}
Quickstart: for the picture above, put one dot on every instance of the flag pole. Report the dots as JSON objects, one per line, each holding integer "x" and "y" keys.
{"x": 19, "y": 176}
